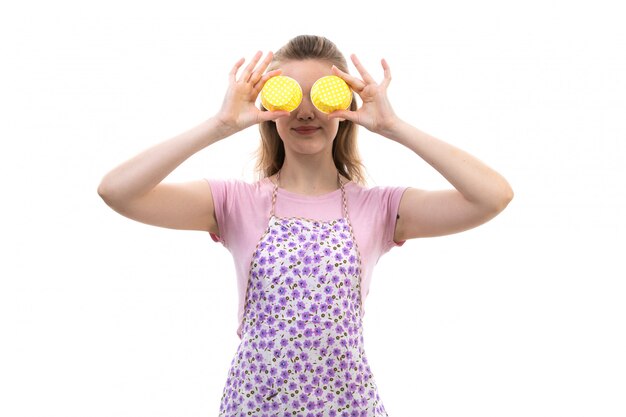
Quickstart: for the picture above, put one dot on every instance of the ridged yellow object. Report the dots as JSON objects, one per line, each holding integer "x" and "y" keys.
{"x": 331, "y": 93}
{"x": 281, "y": 93}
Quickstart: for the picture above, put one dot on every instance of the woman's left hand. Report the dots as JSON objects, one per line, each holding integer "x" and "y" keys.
{"x": 375, "y": 114}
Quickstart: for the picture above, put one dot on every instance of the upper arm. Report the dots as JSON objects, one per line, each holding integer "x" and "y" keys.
{"x": 184, "y": 206}
{"x": 437, "y": 213}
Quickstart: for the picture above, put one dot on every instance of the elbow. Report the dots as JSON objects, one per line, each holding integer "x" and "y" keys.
{"x": 105, "y": 193}
{"x": 505, "y": 196}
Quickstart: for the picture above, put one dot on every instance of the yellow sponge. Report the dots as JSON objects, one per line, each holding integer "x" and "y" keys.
{"x": 281, "y": 93}
{"x": 331, "y": 93}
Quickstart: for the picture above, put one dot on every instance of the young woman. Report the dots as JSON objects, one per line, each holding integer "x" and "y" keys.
{"x": 306, "y": 236}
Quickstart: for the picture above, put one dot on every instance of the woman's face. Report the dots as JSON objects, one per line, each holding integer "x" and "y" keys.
{"x": 307, "y": 130}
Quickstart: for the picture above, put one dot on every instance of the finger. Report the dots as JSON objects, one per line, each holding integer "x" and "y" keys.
{"x": 354, "y": 83}
{"x": 233, "y": 72}
{"x": 387, "y": 72}
{"x": 344, "y": 114}
{"x": 364, "y": 74}
{"x": 260, "y": 69}
{"x": 245, "y": 76}
{"x": 259, "y": 85}
{"x": 266, "y": 116}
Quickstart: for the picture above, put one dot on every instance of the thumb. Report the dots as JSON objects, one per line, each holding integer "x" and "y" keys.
{"x": 266, "y": 116}
{"x": 344, "y": 115}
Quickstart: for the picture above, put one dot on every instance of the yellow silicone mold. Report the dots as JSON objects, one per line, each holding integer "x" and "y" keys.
{"x": 331, "y": 93}
{"x": 281, "y": 93}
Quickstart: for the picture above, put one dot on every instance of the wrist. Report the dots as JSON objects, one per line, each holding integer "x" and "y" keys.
{"x": 223, "y": 128}
{"x": 391, "y": 128}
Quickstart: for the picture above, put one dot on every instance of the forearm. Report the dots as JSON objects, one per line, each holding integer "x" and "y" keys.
{"x": 478, "y": 183}
{"x": 143, "y": 172}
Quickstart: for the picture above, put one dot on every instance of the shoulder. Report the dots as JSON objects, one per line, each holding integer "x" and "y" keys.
{"x": 237, "y": 188}
{"x": 375, "y": 195}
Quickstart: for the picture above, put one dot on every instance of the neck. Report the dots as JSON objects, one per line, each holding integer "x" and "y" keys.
{"x": 308, "y": 176}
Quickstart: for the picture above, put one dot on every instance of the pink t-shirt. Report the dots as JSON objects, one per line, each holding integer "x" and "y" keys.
{"x": 243, "y": 212}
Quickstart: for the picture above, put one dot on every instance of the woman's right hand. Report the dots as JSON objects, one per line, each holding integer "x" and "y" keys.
{"x": 239, "y": 109}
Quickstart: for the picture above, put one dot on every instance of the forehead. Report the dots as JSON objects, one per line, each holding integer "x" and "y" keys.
{"x": 306, "y": 72}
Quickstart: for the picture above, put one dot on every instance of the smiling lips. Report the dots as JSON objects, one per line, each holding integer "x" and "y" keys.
{"x": 303, "y": 130}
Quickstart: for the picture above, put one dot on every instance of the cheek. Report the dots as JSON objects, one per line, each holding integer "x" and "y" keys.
{"x": 281, "y": 128}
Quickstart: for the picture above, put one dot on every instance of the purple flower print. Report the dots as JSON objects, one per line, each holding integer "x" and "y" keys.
{"x": 300, "y": 271}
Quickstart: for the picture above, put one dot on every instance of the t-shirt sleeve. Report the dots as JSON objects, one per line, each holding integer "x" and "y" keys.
{"x": 391, "y": 198}
{"x": 220, "y": 193}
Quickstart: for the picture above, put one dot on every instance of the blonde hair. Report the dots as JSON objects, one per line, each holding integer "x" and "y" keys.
{"x": 271, "y": 152}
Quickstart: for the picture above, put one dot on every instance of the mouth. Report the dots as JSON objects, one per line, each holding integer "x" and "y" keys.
{"x": 306, "y": 130}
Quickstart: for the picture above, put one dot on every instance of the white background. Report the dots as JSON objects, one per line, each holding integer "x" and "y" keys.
{"x": 523, "y": 316}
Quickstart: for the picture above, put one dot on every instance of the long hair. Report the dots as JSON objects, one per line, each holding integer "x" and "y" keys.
{"x": 271, "y": 152}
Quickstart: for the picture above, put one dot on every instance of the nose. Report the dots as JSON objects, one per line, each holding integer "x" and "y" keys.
{"x": 306, "y": 110}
